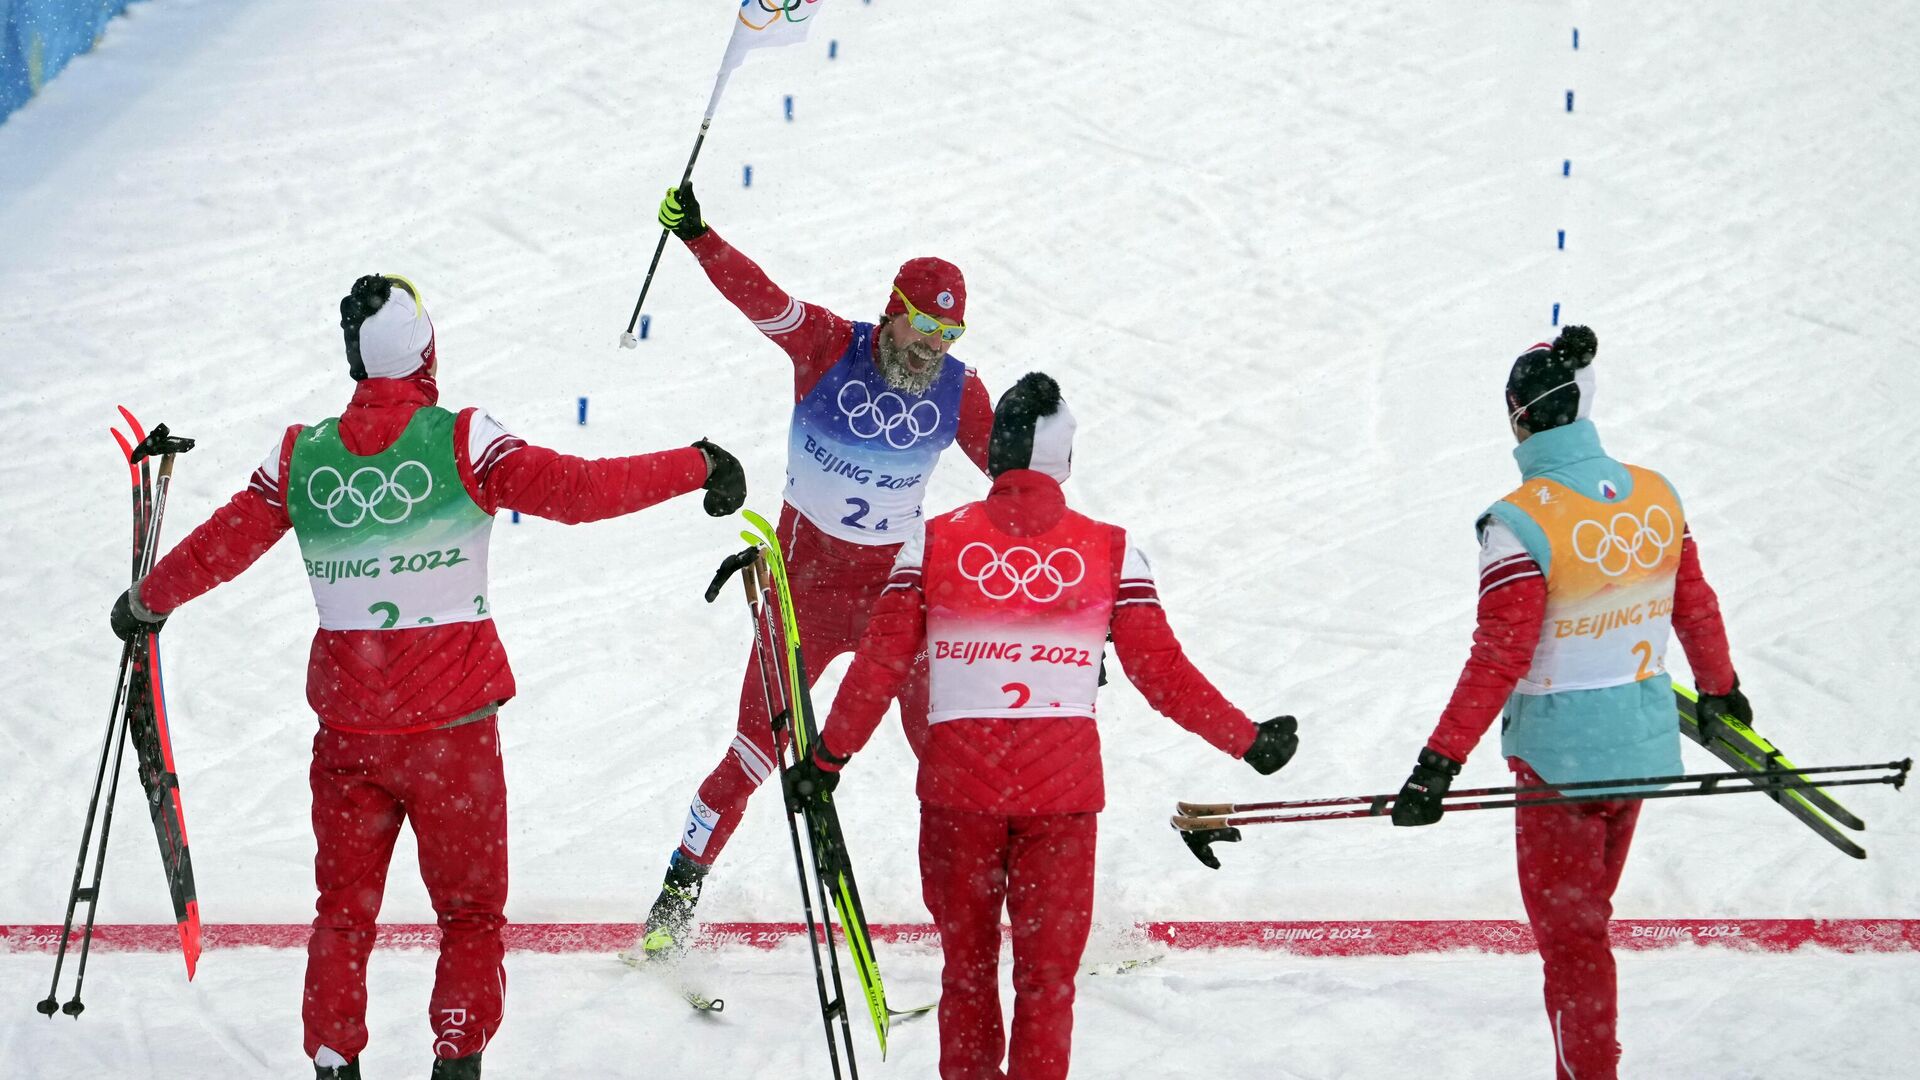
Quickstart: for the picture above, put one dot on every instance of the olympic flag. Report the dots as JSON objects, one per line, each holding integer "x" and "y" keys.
{"x": 763, "y": 24}
{"x": 757, "y": 24}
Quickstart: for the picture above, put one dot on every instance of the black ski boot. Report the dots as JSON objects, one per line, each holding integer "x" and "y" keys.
{"x": 670, "y": 922}
{"x": 466, "y": 1068}
{"x": 349, "y": 1071}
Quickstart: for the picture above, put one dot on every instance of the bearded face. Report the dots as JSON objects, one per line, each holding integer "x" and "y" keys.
{"x": 909, "y": 368}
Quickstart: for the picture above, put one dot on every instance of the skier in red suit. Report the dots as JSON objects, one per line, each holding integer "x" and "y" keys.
{"x": 1013, "y": 599}
{"x": 875, "y": 405}
{"x": 1585, "y": 541}
{"x": 392, "y": 502}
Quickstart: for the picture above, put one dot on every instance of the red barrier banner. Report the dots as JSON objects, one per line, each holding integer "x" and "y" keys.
{"x": 1376, "y": 937}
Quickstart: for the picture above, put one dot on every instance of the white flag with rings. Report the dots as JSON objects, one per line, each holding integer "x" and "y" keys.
{"x": 763, "y": 24}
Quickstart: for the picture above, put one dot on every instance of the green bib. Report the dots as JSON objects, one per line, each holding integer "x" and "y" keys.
{"x": 391, "y": 540}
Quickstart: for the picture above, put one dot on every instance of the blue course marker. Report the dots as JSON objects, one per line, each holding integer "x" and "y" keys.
{"x": 746, "y": 176}
{"x": 833, "y": 49}
{"x": 1556, "y": 314}
{"x": 646, "y": 323}
{"x": 516, "y": 517}
{"x": 1561, "y": 244}
{"x": 1566, "y": 167}
{"x": 583, "y": 410}
{"x": 1576, "y": 39}
{"x": 1569, "y": 101}
{"x": 789, "y": 108}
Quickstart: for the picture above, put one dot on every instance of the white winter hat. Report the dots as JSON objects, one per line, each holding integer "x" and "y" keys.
{"x": 388, "y": 333}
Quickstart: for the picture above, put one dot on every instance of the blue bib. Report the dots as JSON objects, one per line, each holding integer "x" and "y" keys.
{"x": 859, "y": 451}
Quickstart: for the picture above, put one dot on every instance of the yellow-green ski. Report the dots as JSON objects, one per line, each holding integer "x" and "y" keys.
{"x": 1758, "y": 755}
{"x": 829, "y": 844}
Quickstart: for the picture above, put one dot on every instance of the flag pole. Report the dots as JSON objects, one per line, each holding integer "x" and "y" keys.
{"x": 627, "y": 339}
{"x": 736, "y": 47}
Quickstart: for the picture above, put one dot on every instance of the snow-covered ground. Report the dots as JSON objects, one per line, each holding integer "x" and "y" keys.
{"x": 1278, "y": 257}
{"x": 1698, "y": 1014}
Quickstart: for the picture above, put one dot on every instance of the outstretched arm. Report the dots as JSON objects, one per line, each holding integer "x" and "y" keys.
{"x": 1158, "y": 667}
{"x": 505, "y": 472}
{"x": 227, "y": 543}
{"x": 1513, "y": 604}
{"x": 811, "y": 336}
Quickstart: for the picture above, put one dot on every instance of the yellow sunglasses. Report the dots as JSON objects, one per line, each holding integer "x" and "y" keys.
{"x": 927, "y": 324}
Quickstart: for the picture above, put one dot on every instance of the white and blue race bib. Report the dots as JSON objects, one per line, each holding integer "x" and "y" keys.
{"x": 860, "y": 452}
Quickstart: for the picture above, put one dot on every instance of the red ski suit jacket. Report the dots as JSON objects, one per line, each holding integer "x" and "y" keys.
{"x": 1021, "y": 767}
{"x": 405, "y": 680}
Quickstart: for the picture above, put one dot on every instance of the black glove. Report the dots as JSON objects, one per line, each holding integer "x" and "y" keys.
{"x": 680, "y": 212}
{"x": 1201, "y": 841}
{"x": 1576, "y": 344}
{"x": 1419, "y": 799}
{"x": 810, "y": 783}
{"x": 726, "y": 481}
{"x": 1712, "y": 707}
{"x": 131, "y": 617}
{"x": 1271, "y": 749}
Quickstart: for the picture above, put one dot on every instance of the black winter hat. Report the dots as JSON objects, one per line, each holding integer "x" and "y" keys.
{"x": 1552, "y": 385}
{"x": 1032, "y": 429}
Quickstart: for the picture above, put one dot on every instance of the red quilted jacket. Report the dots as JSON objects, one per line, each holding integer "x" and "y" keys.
{"x": 1025, "y": 766}
{"x": 415, "y": 679}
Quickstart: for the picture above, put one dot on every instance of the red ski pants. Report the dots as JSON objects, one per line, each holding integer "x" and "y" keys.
{"x": 1570, "y": 860}
{"x": 1040, "y": 868}
{"x": 835, "y": 585}
{"x": 448, "y": 785}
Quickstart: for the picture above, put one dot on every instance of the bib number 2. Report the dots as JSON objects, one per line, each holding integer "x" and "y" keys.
{"x": 861, "y": 508}
{"x": 1644, "y": 650}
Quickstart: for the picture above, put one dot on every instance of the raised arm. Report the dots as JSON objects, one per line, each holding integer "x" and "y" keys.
{"x": 811, "y": 336}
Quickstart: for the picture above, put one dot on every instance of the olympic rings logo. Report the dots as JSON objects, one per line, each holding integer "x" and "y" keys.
{"x": 870, "y": 417}
{"x": 1625, "y": 542}
{"x": 1021, "y": 570}
{"x": 350, "y": 500}
{"x": 775, "y": 11}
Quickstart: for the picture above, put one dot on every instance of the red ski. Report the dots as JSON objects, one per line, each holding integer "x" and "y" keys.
{"x": 138, "y": 716}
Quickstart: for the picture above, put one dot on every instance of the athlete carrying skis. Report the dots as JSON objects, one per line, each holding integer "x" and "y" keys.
{"x": 1014, "y": 598}
{"x": 392, "y": 502}
{"x": 1583, "y": 570}
{"x": 875, "y": 404}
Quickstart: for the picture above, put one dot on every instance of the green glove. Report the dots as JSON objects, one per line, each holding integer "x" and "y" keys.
{"x": 680, "y": 212}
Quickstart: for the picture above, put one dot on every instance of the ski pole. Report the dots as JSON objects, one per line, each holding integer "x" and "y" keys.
{"x": 75, "y": 894}
{"x": 1195, "y": 816}
{"x": 766, "y": 660}
{"x": 73, "y": 1007}
{"x": 798, "y": 716}
{"x": 1191, "y": 809}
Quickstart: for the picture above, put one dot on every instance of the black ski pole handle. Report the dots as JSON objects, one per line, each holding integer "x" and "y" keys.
{"x": 735, "y": 563}
{"x": 160, "y": 441}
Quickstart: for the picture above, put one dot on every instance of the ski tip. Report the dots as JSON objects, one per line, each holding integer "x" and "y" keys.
{"x": 190, "y": 937}
{"x": 139, "y": 432}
